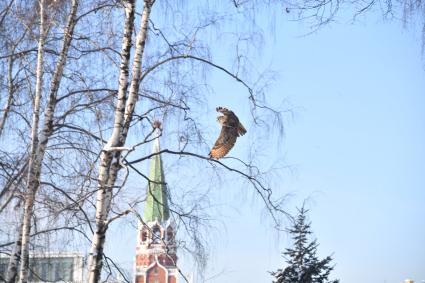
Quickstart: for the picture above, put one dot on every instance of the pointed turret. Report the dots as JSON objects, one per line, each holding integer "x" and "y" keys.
{"x": 156, "y": 206}
{"x": 156, "y": 256}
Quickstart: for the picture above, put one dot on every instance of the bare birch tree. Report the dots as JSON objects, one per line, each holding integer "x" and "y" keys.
{"x": 33, "y": 174}
{"x": 39, "y": 140}
{"x": 38, "y": 144}
{"x": 79, "y": 115}
{"x": 111, "y": 153}
{"x": 111, "y": 158}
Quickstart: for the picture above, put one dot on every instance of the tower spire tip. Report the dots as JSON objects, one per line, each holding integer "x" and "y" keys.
{"x": 157, "y": 124}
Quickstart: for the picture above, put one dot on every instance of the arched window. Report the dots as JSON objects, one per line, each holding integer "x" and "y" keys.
{"x": 156, "y": 235}
{"x": 170, "y": 235}
{"x": 144, "y": 235}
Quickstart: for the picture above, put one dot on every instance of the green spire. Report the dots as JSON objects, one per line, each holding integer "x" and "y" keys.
{"x": 156, "y": 206}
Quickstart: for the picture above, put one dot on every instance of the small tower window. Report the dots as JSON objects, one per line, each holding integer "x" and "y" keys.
{"x": 156, "y": 235}
{"x": 144, "y": 235}
{"x": 170, "y": 235}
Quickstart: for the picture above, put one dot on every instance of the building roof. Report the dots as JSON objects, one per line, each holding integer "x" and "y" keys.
{"x": 156, "y": 206}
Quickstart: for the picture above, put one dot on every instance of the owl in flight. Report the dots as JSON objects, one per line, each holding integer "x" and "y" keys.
{"x": 231, "y": 128}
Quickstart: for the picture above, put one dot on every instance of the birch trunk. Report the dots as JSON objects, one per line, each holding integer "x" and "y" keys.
{"x": 124, "y": 109}
{"x": 38, "y": 145}
{"x": 32, "y": 181}
{"x": 12, "y": 269}
{"x": 104, "y": 193}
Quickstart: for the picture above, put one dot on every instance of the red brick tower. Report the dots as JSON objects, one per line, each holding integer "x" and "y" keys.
{"x": 155, "y": 249}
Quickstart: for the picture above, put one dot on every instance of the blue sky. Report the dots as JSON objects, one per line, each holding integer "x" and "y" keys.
{"x": 354, "y": 147}
{"x": 356, "y": 150}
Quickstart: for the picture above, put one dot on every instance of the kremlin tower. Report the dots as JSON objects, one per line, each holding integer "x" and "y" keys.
{"x": 155, "y": 249}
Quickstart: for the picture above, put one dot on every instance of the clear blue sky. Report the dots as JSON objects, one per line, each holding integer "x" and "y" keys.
{"x": 355, "y": 148}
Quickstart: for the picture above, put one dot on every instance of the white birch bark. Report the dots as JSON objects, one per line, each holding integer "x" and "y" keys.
{"x": 104, "y": 190}
{"x": 137, "y": 68}
{"x": 38, "y": 145}
{"x": 109, "y": 160}
{"x": 12, "y": 268}
{"x": 56, "y": 80}
{"x": 29, "y": 197}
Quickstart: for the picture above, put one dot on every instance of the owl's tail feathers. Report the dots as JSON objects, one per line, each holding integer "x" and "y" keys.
{"x": 241, "y": 130}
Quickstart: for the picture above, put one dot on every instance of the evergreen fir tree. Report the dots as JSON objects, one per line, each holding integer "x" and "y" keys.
{"x": 303, "y": 265}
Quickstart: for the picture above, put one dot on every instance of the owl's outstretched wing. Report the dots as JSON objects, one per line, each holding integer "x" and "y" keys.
{"x": 226, "y": 140}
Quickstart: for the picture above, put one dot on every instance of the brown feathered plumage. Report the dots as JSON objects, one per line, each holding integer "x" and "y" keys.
{"x": 231, "y": 128}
